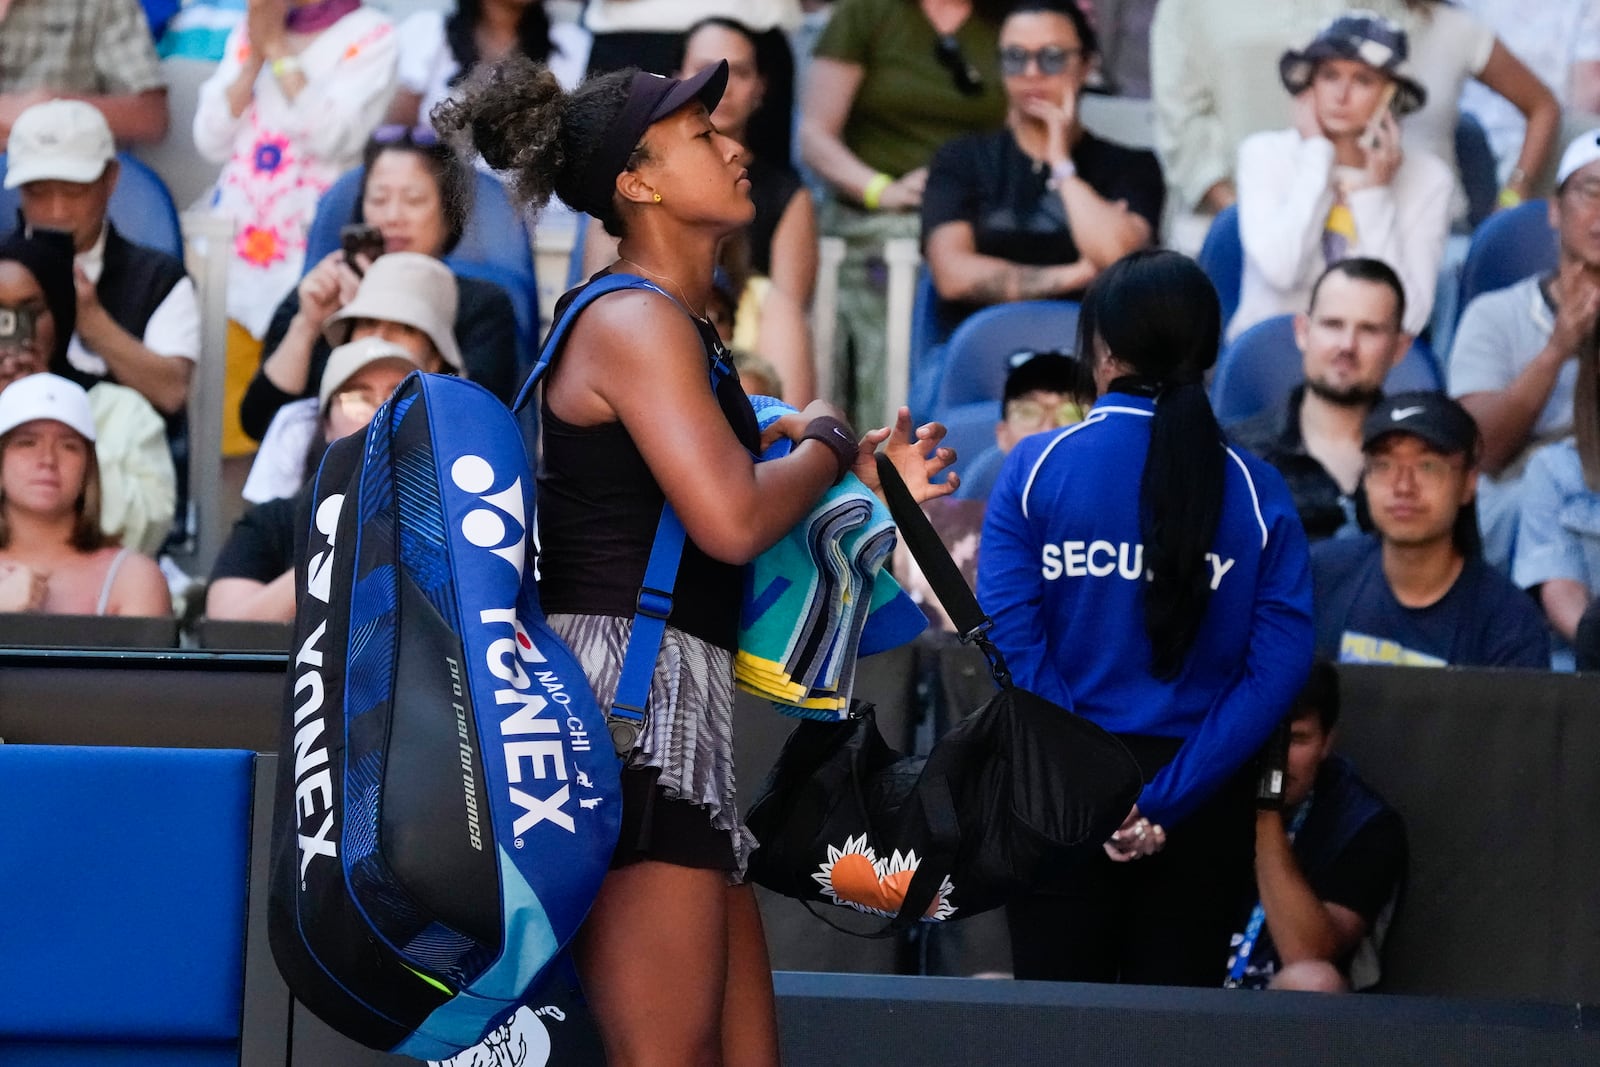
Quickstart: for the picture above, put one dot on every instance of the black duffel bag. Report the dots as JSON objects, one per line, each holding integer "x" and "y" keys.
{"x": 845, "y": 819}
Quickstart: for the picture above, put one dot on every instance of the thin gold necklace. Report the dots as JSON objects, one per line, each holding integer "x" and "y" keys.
{"x": 681, "y": 298}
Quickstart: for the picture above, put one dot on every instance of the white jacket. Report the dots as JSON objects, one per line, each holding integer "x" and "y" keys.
{"x": 1285, "y": 187}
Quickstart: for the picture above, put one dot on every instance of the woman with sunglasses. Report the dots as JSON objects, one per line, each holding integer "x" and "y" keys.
{"x": 1036, "y": 210}
{"x": 253, "y": 577}
{"x": 415, "y": 191}
{"x": 301, "y": 85}
{"x": 672, "y": 955}
{"x": 890, "y": 82}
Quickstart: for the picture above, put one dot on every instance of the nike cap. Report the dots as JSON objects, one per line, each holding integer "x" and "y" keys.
{"x": 1433, "y": 417}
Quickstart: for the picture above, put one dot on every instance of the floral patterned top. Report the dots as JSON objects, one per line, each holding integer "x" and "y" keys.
{"x": 280, "y": 155}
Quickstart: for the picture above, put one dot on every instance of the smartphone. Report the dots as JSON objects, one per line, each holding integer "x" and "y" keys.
{"x": 1274, "y": 764}
{"x": 357, "y": 239}
{"x": 1369, "y": 139}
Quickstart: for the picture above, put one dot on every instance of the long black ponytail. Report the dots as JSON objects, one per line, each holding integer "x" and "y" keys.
{"x": 1158, "y": 314}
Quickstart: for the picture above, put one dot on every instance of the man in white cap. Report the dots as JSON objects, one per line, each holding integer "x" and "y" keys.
{"x": 253, "y": 577}
{"x": 138, "y": 317}
{"x": 1513, "y": 363}
{"x": 97, "y": 51}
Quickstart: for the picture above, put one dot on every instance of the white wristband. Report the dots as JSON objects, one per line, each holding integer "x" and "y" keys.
{"x": 1060, "y": 172}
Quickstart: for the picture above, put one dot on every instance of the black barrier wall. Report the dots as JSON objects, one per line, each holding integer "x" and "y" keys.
{"x": 1494, "y": 771}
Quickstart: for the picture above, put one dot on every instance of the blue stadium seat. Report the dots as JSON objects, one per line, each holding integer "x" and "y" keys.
{"x": 141, "y": 208}
{"x": 1262, "y": 366}
{"x": 970, "y": 431}
{"x": 1222, "y": 258}
{"x": 495, "y": 234}
{"x": 123, "y": 881}
{"x": 1508, "y": 247}
{"x": 524, "y": 294}
{"x": 1479, "y": 173}
{"x": 977, "y": 356}
{"x": 978, "y": 476}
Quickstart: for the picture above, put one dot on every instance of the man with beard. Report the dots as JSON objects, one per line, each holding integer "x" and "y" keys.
{"x": 1349, "y": 340}
{"x": 1418, "y": 592}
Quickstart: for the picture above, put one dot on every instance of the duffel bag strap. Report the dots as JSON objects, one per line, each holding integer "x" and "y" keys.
{"x": 625, "y": 719}
{"x": 569, "y": 315}
{"x": 944, "y": 577}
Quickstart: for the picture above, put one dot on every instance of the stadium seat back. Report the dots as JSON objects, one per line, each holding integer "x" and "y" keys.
{"x": 1508, "y": 247}
{"x": 1222, "y": 258}
{"x": 978, "y": 354}
{"x": 1479, "y": 173}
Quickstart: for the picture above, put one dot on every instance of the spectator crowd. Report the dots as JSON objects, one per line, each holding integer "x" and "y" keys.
{"x": 1343, "y": 174}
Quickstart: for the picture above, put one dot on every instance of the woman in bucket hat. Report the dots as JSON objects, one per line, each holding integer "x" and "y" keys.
{"x": 672, "y": 955}
{"x": 1338, "y": 184}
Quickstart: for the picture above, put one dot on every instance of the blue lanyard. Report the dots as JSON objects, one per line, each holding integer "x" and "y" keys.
{"x": 1258, "y": 917}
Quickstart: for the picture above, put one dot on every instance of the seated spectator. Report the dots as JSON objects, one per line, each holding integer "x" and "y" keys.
{"x": 97, "y": 51}
{"x": 138, "y": 316}
{"x": 1038, "y": 209}
{"x": 54, "y": 557}
{"x": 1557, "y": 39}
{"x": 1558, "y": 535}
{"x": 1338, "y": 183}
{"x": 1349, "y": 341}
{"x": 438, "y": 49}
{"x": 1041, "y": 393}
{"x": 1212, "y": 65}
{"x": 1417, "y": 592}
{"x": 300, "y": 88}
{"x": 253, "y": 578}
{"x": 887, "y": 86}
{"x": 1513, "y": 362}
{"x": 649, "y": 34}
{"x": 756, "y": 375}
{"x": 416, "y": 192}
{"x": 407, "y": 299}
{"x": 1329, "y": 865}
{"x": 138, "y": 486}
{"x": 775, "y": 262}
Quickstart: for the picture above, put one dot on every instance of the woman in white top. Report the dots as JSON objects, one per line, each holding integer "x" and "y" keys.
{"x": 54, "y": 558}
{"x": 1338, "y": 184}
{"x": 1452, "y": 48}
{"x": 287, "y": 112}
{"x": 438, "y": 50}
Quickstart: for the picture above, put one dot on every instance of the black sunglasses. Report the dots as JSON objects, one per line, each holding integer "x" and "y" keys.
{"x": 968, "y": 79}
{"x": 1051, "y": 59}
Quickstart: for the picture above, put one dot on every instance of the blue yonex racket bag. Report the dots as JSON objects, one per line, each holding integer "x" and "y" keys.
{"x": 448, "y": 795}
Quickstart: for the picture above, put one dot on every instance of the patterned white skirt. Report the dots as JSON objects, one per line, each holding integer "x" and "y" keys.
{"x": 688, "y": 733}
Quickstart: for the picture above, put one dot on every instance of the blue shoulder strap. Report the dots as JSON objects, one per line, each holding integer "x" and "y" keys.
{"x": 625, "y": 717}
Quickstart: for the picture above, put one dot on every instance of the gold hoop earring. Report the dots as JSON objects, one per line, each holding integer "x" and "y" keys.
{"x": 658, "y": 198}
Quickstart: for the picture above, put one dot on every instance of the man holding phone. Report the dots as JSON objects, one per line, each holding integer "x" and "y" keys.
{"x": 1337, "y": 183}
{"x": 1330, "y": 857}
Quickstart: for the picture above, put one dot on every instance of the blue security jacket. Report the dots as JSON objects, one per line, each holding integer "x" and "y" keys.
{"x": 1060, "y": 570}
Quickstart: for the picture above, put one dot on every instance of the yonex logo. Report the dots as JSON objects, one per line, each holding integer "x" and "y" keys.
{"x": 487, "y": 527}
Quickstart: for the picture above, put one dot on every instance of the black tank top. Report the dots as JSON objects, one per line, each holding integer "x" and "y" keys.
{"x": 598, "y": 510}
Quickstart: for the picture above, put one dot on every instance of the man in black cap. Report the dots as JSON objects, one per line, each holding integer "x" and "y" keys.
{"x": 1418, "y": 592}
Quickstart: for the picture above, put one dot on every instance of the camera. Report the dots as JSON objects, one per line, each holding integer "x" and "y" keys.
{"x": 1273, "y": 763}
{"x": 16, "y": 326}
{"x": 358, "y": 238}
